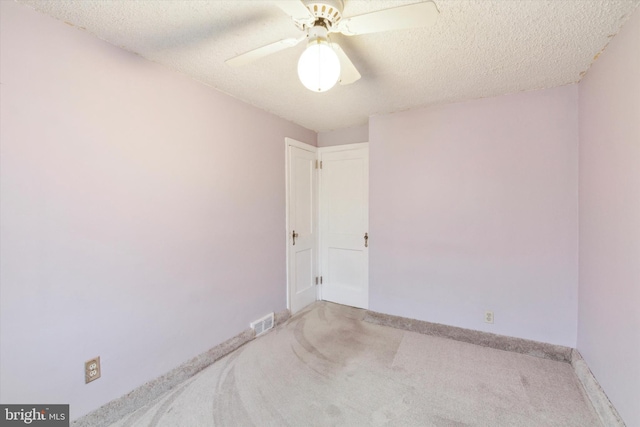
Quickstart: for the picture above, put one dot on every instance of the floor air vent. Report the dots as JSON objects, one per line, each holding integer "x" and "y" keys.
{"x": 263, "y": 325}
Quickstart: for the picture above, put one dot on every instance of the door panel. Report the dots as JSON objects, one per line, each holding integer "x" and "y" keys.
{"x": 302, "y": 219}
{"x": 303, "y": 187}
{"x": 303, "y": 265}
{"x": 342, "y": 179}
{"x": 344, "y": 207}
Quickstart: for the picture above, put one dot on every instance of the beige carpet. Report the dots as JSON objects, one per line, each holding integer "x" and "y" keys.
{"x": 325, "y": 367}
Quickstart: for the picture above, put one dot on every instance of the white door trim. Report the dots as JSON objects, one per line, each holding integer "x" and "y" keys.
{"x": 299, "y": 144}
{"x": 290, "y": 142}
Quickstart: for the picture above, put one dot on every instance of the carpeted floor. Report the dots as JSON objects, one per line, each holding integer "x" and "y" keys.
{"x": 326, "y": 367}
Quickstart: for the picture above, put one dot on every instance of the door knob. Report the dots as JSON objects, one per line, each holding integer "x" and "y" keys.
{"x": 294, "y": 235}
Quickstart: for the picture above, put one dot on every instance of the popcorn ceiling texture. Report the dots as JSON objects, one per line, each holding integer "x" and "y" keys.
{"x": 476, "y": 49}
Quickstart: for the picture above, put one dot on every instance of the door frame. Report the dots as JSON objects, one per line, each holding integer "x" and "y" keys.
{"x": 290, "y": 142}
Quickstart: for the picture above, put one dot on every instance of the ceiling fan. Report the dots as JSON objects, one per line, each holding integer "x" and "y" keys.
{"x": 323, "y": 62}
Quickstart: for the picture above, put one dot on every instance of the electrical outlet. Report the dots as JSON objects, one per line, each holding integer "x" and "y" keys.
{"x": 91, "y": 370}
{"x": 488, "y": 316}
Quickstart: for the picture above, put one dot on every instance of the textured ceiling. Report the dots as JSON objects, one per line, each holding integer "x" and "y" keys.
{"x": 477, "y": 48}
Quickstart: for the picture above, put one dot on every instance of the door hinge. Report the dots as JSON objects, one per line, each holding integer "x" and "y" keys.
{"x": 319, "y": 280}
{"x": 318, "y": 164}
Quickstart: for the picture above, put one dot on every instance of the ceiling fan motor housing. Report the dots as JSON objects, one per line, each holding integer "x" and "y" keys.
{"x": 328, "y": 12}
{"x": 317, "y": 34}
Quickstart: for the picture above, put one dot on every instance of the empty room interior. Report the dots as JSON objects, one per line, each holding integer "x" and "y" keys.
{"x": 321, "y": 212}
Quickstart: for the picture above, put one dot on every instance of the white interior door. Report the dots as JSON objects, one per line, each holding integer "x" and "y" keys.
{"x": 344, "y": 223}
{"x": 301, "y": 224}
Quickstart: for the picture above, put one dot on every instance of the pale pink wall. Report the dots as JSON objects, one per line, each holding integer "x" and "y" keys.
{"x": 474, "y": 207}
{"x": 609, "y": 284}
{"x": 142, "y": 214}
{"x": 350, "y": 135}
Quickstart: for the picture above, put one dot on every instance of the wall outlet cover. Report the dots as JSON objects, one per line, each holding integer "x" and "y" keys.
{"x": 92, "y": 370}
{"x": 488, "y": 316}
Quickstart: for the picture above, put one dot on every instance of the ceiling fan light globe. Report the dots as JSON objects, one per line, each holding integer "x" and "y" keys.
{"x": 319, "y": 67}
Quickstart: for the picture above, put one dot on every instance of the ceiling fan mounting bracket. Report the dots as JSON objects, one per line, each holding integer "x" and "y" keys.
{"x": 321, "y": 22}
{"x": 327, "y": 12}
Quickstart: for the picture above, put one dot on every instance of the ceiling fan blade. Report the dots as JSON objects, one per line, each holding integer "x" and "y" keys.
{"x": 410, "y": 16}
{"x": 261, "y": 52}
{"x": 296, "y": 10}
{"x": 348, "y": 72}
